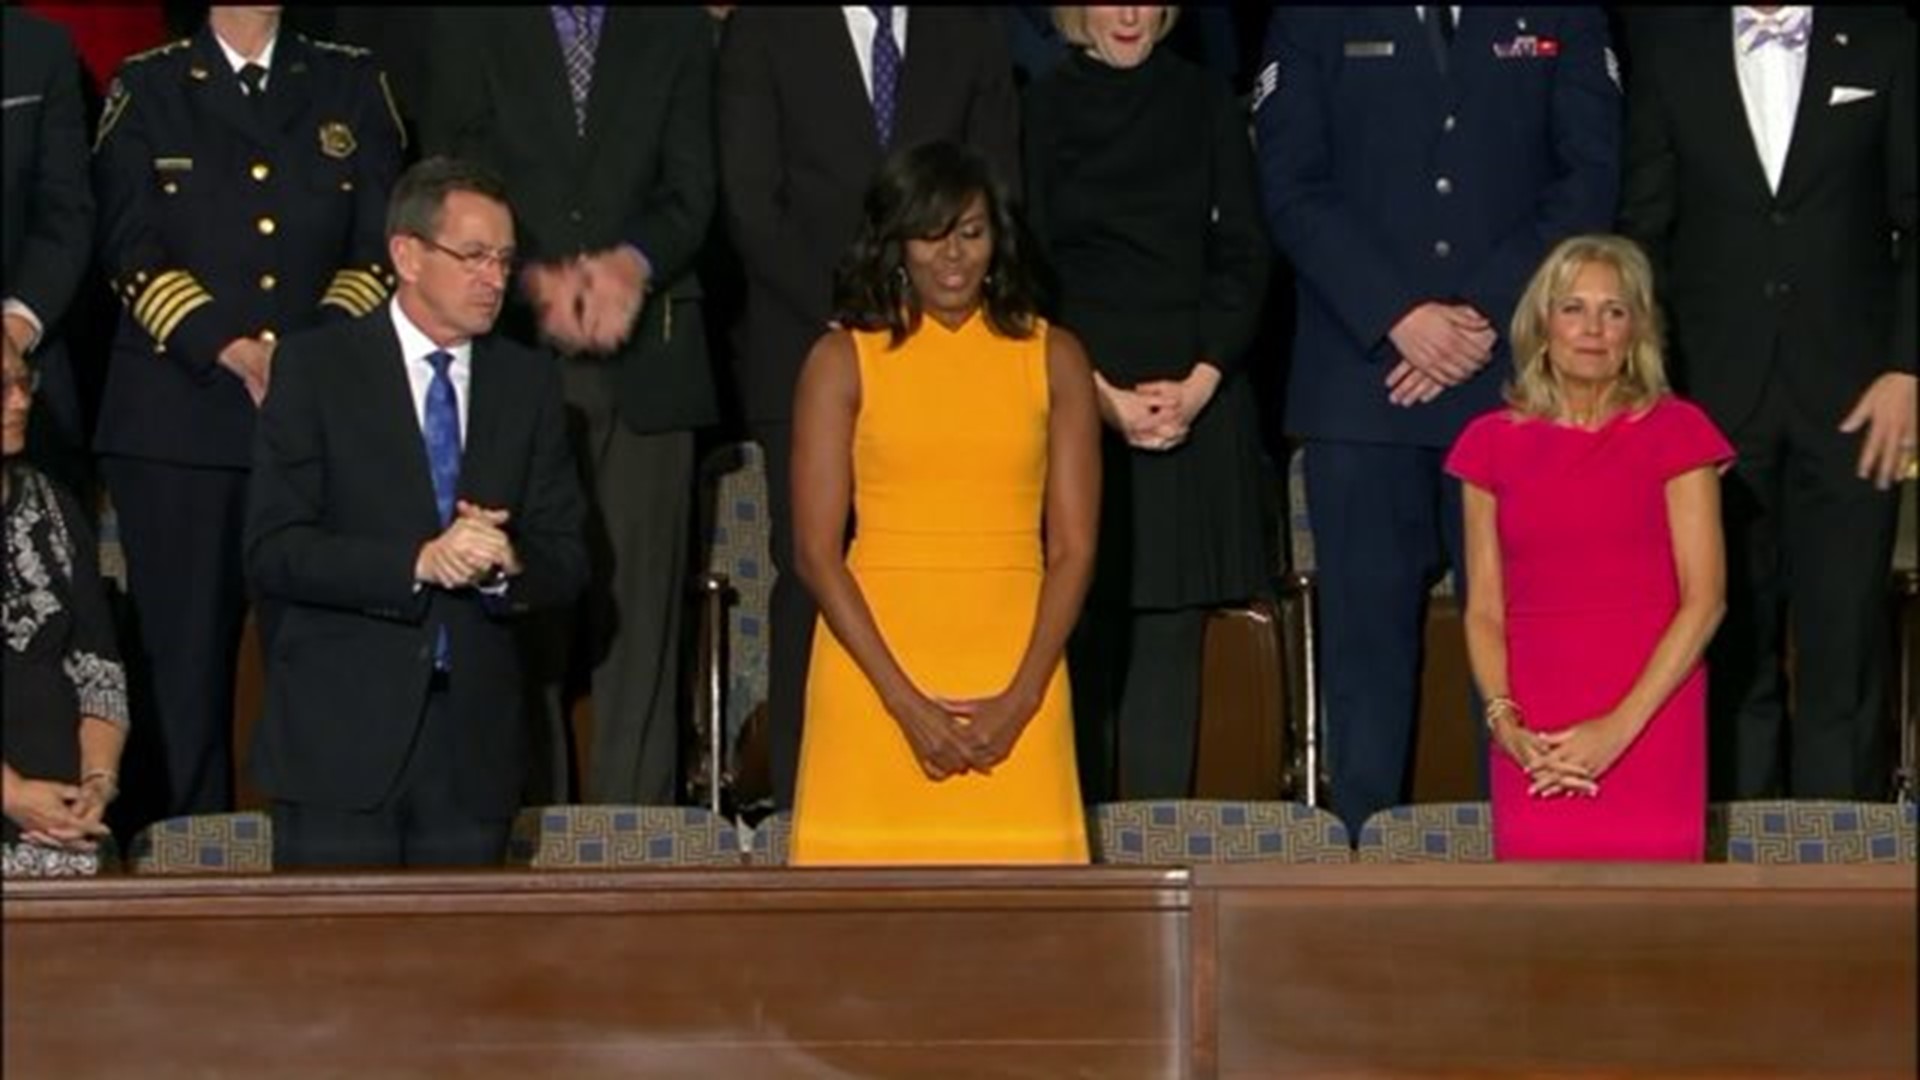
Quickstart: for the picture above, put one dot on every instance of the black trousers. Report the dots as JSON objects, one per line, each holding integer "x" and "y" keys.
{"x": 180, "y": 527}
{"x": 1809, "y": 545}
{"x": 791, "y": 617}
{"x": 422, "y": 821}
{"x": 1136, "y": 699}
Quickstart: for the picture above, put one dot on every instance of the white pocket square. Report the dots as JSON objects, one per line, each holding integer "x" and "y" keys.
{"x": 16, "y": 102}
{"x": 1844, "y": 95}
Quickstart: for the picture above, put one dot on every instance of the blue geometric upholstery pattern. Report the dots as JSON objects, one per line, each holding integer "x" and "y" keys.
{"x": 113, "y": 558}
{"x": 239, "y": 843}
{"x": 1459, "y": 832}
{"x": 772, "y": 839}
{"x": 614, "y": 837}
{"x": 1819, "y": 831}
{"x": 736, "y": 542}
{"x": 1194, "y": 832}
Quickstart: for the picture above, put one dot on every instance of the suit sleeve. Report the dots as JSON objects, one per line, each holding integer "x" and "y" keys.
{"x": 1904, "y": 350}
{"x": 550, "y": 524}
{"x": 672, "y": 221}
{"x": 993, "y": 114}
{"x": 1237, "y": 245}
{"x": 59, "y": 234}
{"x": 365, "y": 281}
{"x": 1308, "y": 213}
{"x": 291, "y": 554}
{"x": 163, "y": 295}
{"x": 1648, "y": 189}
{"x": 1584, "y": 192}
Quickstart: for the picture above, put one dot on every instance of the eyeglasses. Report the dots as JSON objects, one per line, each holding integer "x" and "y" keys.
{"x": 26, "y": 381}
{"x": 473, "y": 262}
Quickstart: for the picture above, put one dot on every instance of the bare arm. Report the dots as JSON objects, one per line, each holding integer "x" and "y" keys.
{"x": 826, "y": 404}
{"x": 1486, "y": 627}
{"x": 1699, "y": 558}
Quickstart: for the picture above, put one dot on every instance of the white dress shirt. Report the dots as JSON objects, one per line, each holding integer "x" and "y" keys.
{"x": 860, "y": 27}
{"x": 1770, "y": 80}
{"x": 1421, "y": 10}
{"x": 236, "y": 61}
{"x": 415, "y": 347}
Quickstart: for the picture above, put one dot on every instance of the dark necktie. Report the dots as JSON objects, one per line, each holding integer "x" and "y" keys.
{"x": 253, "y": 80}
{"x": 1441, "y": 16}
{"x": 886, "y": 72}
{"x": 580, "y": 51}
{"x": 441, "y": 428}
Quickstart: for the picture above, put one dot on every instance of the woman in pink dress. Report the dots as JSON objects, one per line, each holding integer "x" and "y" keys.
{"x": 1597, "y": 572}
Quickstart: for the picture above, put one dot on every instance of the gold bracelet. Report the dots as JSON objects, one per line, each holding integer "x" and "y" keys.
{"x": 1501, "y": 705}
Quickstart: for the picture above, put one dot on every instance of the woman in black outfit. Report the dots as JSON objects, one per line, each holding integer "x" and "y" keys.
{"x": 66, "y": 693}
{"x": 1141, "y": 192}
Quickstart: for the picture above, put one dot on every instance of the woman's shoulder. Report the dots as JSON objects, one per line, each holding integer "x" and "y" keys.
{"x": 1499, "y": 423}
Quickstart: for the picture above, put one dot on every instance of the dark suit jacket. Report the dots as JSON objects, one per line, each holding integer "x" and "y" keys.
{"x": 340, "y": 503}
{"x": 48, "y": 224}
{"x": 642, "y": 174}
{"x": 1806, "y": 285}
{"x": 1365, "y": 118}
{"x": 219, "y": 221}
{"x": 798, "y": 149}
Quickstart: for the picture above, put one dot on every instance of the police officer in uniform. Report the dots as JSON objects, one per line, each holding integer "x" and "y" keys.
{"x": 242, "y": 178}
{"x": 1418, "y": 162}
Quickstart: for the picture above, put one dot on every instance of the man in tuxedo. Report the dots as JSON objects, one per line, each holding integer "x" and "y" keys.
{"x": 600, "y": 120}
{"x": 48, "y": 228}
{"x": 810, "y": 102}
{"x": 412, "y": 492}
{"x": 1770, "y": 175}
{"x": 1418, "y": 163}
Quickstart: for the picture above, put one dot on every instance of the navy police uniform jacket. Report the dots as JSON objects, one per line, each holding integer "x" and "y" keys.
{"x": 223, "y": 217}
{"x": 1397, "y": 170}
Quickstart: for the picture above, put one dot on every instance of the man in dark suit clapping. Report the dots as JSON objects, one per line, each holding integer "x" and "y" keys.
{"x": 412, "y": 491}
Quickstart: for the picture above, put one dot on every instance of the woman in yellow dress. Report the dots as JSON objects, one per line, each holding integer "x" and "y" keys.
{"x": 961, "y": 432}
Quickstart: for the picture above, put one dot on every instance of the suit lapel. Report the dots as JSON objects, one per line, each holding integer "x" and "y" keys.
{"x": 615, "y": 62}
{"x": 396, "y": 420}
{"x": 1810, "y": 116}
{"x": 1712, "y": 49}
{"x": 485, "y": 398}
{"x": 845, "y": 91}
{"x": 289, "y": 84}
{"x": 215, "y": 86}
{"x": 534, "y": 47}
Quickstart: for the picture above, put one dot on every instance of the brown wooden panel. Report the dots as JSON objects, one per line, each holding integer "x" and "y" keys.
{"x": 754, "y": 973}
{"x": 1570, "y": 970}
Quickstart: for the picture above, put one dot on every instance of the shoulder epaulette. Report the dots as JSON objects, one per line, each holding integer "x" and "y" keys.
{"x": 355, "y": 51}
{"x": 161, "y": 50}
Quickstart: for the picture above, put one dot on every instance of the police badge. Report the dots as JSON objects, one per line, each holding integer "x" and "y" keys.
{"x": 336, "y": 139}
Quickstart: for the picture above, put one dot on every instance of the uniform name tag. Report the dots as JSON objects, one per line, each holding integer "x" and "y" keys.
{"x": 1369, "y": 48}
{"x": 173, "y": 164}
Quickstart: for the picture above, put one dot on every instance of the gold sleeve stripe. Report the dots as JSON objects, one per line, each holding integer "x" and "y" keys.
{"x": 365, "y": 280}
{"x": 352, "y": 305}
{"x": 354, "y": 294}
{"x": 170, "y": 319}
{"x": 393, "y": 110}
{"x": 162, "y": 291}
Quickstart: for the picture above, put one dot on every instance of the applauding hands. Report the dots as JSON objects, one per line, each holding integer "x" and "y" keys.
{"x": 589, "y": 304}
{"x": 473, "y": 550}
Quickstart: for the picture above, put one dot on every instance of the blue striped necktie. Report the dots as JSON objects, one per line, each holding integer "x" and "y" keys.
{"x": 441, "y": 426}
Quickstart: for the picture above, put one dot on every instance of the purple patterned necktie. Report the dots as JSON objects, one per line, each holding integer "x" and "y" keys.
{"x": 886, "y": 72}
{"x": 1789, "y": 30}
{"x": 579, "y": 39}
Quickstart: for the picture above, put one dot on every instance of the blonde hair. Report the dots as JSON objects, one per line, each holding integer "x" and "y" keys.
{"x": 1643, "y": 378}
{"x": 1072, "y": 24}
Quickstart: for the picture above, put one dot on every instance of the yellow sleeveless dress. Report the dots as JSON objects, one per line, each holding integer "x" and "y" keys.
{"x": 949, "y": 480}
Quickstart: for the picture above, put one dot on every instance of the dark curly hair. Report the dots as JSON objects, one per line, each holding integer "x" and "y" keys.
{"x": 919, "y": 194}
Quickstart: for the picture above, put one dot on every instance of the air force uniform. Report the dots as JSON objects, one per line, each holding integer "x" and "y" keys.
{"x": 226, "y": 212}
{"x": 1405, "y": 160}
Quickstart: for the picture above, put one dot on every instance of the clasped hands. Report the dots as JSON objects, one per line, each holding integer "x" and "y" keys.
{"x": 1158, "y": 415}
{"x": 950, "y": 736}
{"x": 57, "y": 815}
{"x": 473, "y": 550}
{"x": 251, "y": 361}
{"x": 1440, "y": 346}
{"x": 1569, "y": 761}
{"x": 590, "y": 303}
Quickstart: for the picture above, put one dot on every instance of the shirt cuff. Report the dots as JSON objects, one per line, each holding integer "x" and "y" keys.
{"x": 13, "y": 306}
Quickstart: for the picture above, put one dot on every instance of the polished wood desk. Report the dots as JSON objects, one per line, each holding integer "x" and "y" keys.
{"x": 1104, "y": 972}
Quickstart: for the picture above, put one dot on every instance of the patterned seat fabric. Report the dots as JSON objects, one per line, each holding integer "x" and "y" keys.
{"x": 772, "y": 839}
{"x": 736, "y": 538}
{"x": 1188, "y": 833}
{"x": 239, "y": 843}
{"x": 616, "y": 837}
{"x": 1459, "y": 832}
{"x": 1816, "y": 831}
